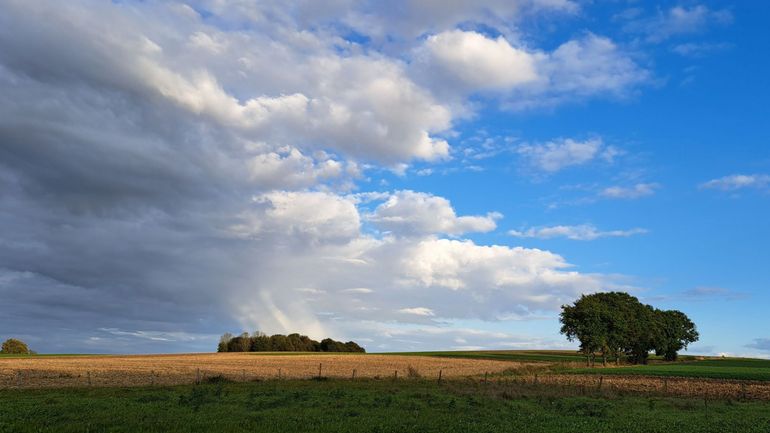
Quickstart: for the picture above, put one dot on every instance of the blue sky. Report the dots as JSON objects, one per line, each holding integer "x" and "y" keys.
{"x": 703, "y": 118}
{"x": 422, "y": 176}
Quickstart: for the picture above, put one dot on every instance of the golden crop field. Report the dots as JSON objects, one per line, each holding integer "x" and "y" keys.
{"x": 178, "y": 369}
{"x": 131, "y": 370}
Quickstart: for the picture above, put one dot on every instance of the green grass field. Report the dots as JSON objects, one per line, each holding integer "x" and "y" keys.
{"x": 363, "y": 406}
{"x": 44, "y": 355}
{"x": 688, "y": 366}
{"x": 505, "y": 355}
{"x": 728, "y": 368}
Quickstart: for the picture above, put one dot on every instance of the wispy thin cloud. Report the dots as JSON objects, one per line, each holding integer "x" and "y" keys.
{"x": 695, "y": 49}
{"x": 762, "y": 344}
{"x": 676, "y": 21}
{"x": 630, "y": 192}
{"x": 556, "y": 155}
{"x": 738, "y": 181}
{"x": 584, "y": 232}
{"x": 418, "y": 311}
{"x": 713, "y": 292}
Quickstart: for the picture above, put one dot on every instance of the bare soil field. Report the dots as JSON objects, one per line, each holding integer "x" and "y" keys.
{"x": 138, "y": 370}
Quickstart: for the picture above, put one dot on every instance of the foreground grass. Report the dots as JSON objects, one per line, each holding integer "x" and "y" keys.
{"x": 363, "y": 406}
{"x": 729, "y": 368}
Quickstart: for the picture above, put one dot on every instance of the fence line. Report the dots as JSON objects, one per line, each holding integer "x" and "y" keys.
{"x": 579, "y": 384}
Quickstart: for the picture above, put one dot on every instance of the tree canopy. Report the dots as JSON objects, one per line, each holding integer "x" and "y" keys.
{"x": 259, "y": 342}
{"x": 15, "y": 347}
{"x": 615, "y": 324}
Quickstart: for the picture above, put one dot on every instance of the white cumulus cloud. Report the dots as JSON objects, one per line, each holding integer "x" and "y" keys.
{"x": 472, "y": 61}
{"x": 416, "y": 213}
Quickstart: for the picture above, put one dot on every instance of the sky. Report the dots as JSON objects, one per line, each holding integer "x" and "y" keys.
{"x": 411, "y": 175}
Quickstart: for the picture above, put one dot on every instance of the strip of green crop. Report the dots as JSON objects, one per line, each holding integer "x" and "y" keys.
{"x": 683, "y": 370}
{"x": 46, "y": 355}
{"x": 501, "y": 355}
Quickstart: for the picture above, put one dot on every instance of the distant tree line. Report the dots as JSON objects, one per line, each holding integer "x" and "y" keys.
{"x": 616, "y": 325}
{"x": 13, "y": 346}
{"x": 259, "y": 342}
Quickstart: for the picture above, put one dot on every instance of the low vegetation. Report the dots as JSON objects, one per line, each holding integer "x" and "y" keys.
{"x": 259, "y": 342}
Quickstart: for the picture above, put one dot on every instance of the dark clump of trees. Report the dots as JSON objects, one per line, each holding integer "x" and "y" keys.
{"x": 616, "y": 324}
{"x": 15, "y": 347}
{"x": 259, "y": 342}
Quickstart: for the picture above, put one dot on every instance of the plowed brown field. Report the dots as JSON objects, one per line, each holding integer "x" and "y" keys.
{"x": 130, "y": 370}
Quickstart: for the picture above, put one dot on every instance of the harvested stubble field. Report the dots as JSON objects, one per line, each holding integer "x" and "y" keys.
{"x": 672, "y": 386}
{"x": 142, "y": 370}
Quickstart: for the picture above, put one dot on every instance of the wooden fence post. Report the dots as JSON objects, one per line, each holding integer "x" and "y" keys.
{"x": 665, "y": 385}
{"x": 535, "y": 381}
{"x": 601, "y": 379}
{"x": 319, "y": 370}
{"x": 395, "y": 375}
{"x": 198, "y": 376}
{"x": 439, "y": 375}
{"x": 486, "y": 373}
{"x": 743, "y": 391}
{"x": 354, "y": 374}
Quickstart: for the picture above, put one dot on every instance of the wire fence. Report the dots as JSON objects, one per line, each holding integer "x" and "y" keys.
{"x": 561, "y": 384}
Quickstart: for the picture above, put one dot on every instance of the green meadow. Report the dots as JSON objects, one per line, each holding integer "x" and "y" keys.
{"x": 727, "y": 368}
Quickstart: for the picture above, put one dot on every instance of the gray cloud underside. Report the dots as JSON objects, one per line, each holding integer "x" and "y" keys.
{"x": 165, "y": 177}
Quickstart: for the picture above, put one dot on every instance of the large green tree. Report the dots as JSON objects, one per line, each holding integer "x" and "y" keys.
{"x": 616, "y": 324}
